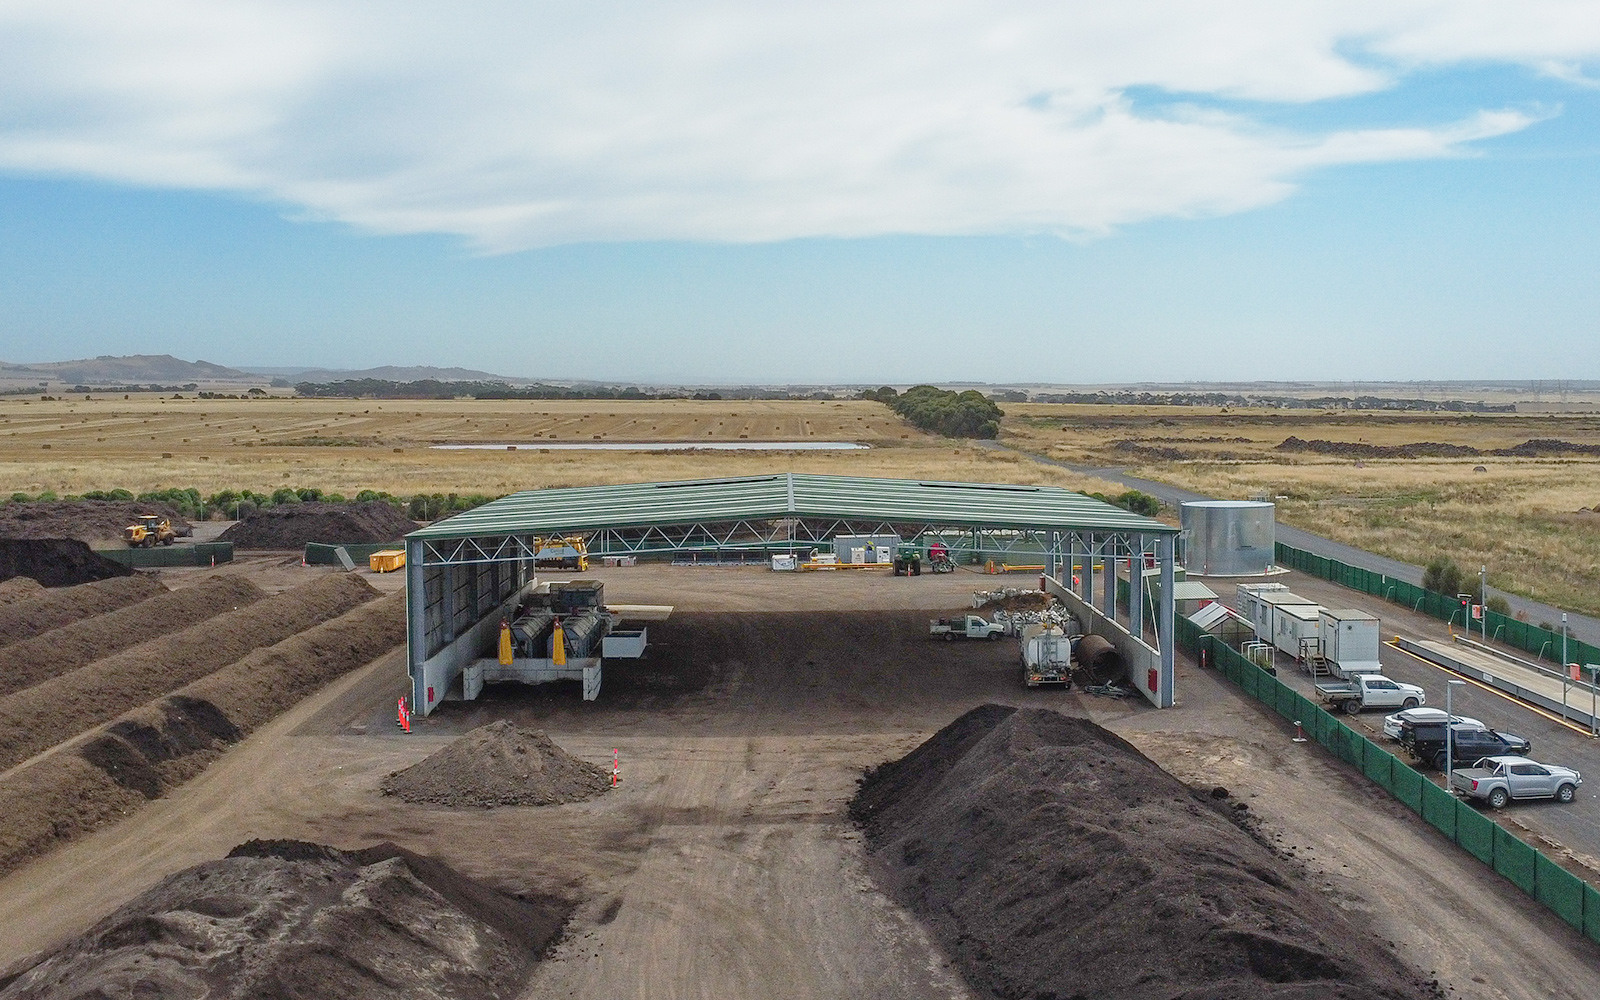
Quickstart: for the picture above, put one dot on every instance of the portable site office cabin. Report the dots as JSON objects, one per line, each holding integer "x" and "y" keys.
{"x": 1259, "y": 602}
{"x": 1350, "y": 642}
{"x": 1293, "y": 625}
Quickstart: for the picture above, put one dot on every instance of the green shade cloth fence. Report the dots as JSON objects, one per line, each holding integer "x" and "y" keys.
{"x": 198, "y": 554}
{"x": 1445, "y": 607}
{"x": 1568, "y": 896}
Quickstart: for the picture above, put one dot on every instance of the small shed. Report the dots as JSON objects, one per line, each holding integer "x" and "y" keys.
{"x": 1225, "y": 623}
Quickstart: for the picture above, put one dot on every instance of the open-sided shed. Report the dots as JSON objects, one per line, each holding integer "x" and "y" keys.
{"x": 464, "y": 573}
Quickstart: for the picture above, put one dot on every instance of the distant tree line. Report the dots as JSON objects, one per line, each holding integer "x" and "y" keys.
{"x": 1280, "y": 402}
{"x": 436, "y": 389}
{"x": 241, "y": 503}
{"x": 968, "y": 414}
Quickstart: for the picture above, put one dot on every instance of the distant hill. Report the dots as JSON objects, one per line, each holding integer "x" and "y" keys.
{"x": 389, "y": 373}
{"x": 135, "y": 369}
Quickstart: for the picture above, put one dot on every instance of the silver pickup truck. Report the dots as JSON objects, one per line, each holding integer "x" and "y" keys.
{"x": 1370, "y": 691}
{"x": 1498, "y": 780}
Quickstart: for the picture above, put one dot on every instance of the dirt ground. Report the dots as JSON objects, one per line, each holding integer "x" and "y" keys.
{"x": 725, "y": 864}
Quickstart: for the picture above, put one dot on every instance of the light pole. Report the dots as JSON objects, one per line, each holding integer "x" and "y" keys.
{"x": 1483, "y": 600}
{"x": 1566, "y": 671}
{"x": 1449, "y": 730}
{"x": 1594, "y": 687}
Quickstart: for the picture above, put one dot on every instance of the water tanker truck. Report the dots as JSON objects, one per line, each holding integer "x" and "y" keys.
{"x": 1046, "y": 656}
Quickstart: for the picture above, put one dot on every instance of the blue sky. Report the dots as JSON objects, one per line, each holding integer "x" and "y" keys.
{"x": 737, "y": 192}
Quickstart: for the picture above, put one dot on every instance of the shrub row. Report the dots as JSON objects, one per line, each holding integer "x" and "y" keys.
{"x": 239, "y": 503}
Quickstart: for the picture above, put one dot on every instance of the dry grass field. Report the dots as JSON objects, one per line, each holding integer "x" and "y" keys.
{"x": 341, "y": 445}
{"x": 1522, "y": 517}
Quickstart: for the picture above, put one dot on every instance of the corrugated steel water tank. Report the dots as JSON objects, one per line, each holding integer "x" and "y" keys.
{"x": 1228, "y": 537}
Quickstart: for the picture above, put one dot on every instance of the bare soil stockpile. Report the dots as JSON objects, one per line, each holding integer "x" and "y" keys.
{"x": 34, "y": 614}
{"x": 289, "y": 919}
{"x": 43, "y": 715}
{"x": 291, "y": 526}
{"x": 149, "y": 751}
{"x": 1052, "y": 859}
{"x": 94, "y": 521}
{"x": 56, "y": 562}
{"x": 499, "y": 765}
{"x": 77, "y": 643}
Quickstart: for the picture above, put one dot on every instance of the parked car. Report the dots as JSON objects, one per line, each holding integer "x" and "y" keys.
{"x": 1426, "y": 743}
{"x": 1498, "y": 780}
{"x": 1391, "y": 723}
{"x": 1370, "y": 691}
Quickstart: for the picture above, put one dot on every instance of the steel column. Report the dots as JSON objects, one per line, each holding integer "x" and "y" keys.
{"x": 1165, "y": 632}
{"x": 1109, "y": 600}
{"x": 416, "y": 620}
{"x": 1136, "y": 591}
{"x": 1087, "y": 575}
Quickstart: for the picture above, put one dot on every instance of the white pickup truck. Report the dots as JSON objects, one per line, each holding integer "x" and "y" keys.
{"x": 1370, "y": 691}
{"x": 968, "y": 627}
{"x": 1498, "y": 780}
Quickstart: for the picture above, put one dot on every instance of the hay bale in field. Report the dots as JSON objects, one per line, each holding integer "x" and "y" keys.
{"x": 498, "y": 765}
{"x": 32, "y": 614}
{"x": 72, "y": 645}
{"x": 40, "y": 716}
{"x": 56, "y": 562}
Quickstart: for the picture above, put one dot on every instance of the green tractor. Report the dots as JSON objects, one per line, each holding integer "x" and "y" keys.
{"x": 907, "y": 560}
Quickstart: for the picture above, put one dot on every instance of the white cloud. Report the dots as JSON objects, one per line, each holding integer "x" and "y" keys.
{"x": 517, "y": 124}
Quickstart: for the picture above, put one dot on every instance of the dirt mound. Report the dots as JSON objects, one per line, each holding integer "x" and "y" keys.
{"x": 56, "y": 562}
{"x": 77, "y": 643}
{"x": 284, "y": 919}
{"x": 17, "y": 588}
{"x": 499, "y": 765}
{"x": 149, "y": 751}
{"x": 34, "y": 614}
{"x": 40, "y": 716}
{"x": 291, "y": 526}
{"x": 86, "y": 520}
{"x": 1348, "y": 449}
{"x": 1052, "y": 859}
{"x": 1534, "y": 448}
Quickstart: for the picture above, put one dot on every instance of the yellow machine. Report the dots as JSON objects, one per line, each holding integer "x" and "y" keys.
{"x": 571, "y": 552}
{"x": 151, "y": 530}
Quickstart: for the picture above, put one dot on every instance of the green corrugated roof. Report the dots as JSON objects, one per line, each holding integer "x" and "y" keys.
{"x": 635, "y": 505}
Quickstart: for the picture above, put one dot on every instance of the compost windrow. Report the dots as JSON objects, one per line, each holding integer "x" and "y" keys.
{"x": 1052, "y": 859}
